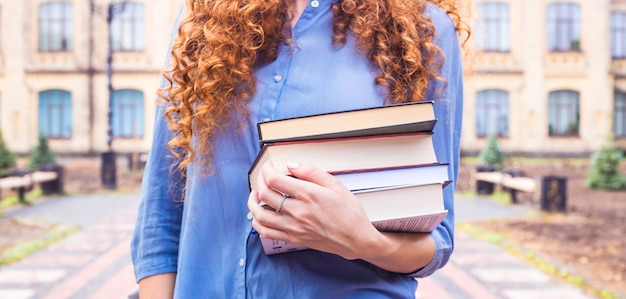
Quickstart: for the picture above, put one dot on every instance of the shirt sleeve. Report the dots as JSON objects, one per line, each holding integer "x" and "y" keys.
{"x": 154, "y": 244}
{"x": 447, "y": 132}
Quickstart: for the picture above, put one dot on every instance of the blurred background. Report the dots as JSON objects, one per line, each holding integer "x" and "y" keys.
{"x": 84, "y": 74}
{"x": 550, "y": 76}
{"x": 547, "y": 78}
{"x": 544, "y": 102}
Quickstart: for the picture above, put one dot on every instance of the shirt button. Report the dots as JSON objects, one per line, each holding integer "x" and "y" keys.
{"x": 277, "y": 77}
{"x": 249, "y": 216}
{"x": 266, "y": 119}
{"x": 241, "y": 263}
{"x": 315, "y": 3}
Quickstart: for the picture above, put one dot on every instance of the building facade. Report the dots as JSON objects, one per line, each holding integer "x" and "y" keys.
{"x": 53, "y": 72}
{"x": 549, "y": 78}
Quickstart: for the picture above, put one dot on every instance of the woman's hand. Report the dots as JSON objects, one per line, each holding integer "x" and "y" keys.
{"x": 319, "y": 212}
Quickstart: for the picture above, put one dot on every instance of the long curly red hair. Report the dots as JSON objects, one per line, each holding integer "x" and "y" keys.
{"x": 220, "y": 42}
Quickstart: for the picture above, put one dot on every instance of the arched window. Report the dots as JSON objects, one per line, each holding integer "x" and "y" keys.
{"x": 55, "y": 113}
{"x": 492, "y": 30}
{"x": 127, "y": 118}
{"x": 492, "y": 113}
{"x": 563, "y": 113}
{"x": 128, "y": 28}
{"x": 56, "y": 27}
{"x": 563, "y": 27}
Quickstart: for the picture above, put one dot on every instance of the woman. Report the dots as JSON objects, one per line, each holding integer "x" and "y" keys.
{"x": 235, "y": 63}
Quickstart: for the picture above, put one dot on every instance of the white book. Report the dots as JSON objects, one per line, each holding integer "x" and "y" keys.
{"x": 414, "y": 208}
{"x": 393, "y": 177}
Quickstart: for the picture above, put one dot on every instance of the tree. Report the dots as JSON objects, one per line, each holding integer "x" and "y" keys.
{"x": 491, "y": 155}
{"x": 41, "y": 155}
{"x": 7, "y": 158}
{"x": 605, "y": 171}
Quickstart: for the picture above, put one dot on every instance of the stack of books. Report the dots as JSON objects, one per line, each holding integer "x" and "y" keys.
{"x": 383, "y": 155}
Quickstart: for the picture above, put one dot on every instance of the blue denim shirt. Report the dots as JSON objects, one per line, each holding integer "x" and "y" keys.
{"x": 209, "y": 241}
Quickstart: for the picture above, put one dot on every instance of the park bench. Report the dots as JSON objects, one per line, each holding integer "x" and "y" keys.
{"x": 24, "y": 183}
{"x": 549, "y": 191}
{"x": 507, "y": 182}
{"x": 517, "y": 184}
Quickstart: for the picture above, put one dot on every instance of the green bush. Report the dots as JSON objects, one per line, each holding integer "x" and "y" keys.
{"x": 7, "y": 158}
{"x": 605, "y": 172}
{"x": 41, "y": 155}
{"x": 491, "y": 155}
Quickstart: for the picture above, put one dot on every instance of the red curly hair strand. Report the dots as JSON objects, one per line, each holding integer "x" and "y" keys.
{"x": 220, "y": 42}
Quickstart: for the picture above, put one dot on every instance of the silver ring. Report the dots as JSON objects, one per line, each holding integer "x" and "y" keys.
{"x": 280, "y": 204}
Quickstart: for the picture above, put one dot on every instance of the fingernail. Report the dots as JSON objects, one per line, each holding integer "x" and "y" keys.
{"x": 293, "y": 165}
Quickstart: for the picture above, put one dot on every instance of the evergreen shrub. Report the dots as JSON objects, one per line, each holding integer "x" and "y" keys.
{"x": 42, "y": 155}
{"x": 7, "y": 159}
{"x": 491, "y": 155}
{"x": 605, "y": 169}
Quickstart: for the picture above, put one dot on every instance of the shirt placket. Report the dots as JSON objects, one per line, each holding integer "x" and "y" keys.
{"x": 276, "y": 83}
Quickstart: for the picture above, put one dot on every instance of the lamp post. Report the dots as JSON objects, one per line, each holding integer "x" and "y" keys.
{"x": 109, "y": 170}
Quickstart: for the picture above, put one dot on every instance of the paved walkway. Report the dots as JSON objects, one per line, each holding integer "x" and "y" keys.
{"x": 92, "y": 263}
{"x": 95, "y": 263}
{"x": 481, "y": 270}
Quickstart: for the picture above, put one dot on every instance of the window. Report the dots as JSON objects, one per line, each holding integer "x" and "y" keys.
{"x": 127, "y": 113}
{"x": 128, "y": 27}
{"x": 55, "y": 113}
{"x": 618, "y": 35}
{"x": 563, "y": 113}
{"x": 56, "y": 28}
{"x": 563, "y": 27}
{"x": 492, "y": 32}
{"x": 619, "y": 121}
{"x": 492, "y": 113}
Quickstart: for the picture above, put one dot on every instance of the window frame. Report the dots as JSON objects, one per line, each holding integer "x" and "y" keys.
{"x": 55, "y": 113}
{"x": 564, "y": 27}
{"x": 495, "y": 16}
{"x": 570, "y": 101}
{"x": 128, "y": 28}
{"x": 619, "y": 115}
{"x": 129, "y": 104}
{"x": 47, "y": 21}
{"x": 618, "y": 33}
{"x": 491, "y": 102}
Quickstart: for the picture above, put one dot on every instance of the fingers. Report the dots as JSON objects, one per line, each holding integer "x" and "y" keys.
{"x": 267, "y": 192}
{"x": 307, "y": 179}
{"x": 255, "y": 202}
{"x": 265, "y": 220}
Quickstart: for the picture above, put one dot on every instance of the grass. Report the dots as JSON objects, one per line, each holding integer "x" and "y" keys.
{"x": 19, "y": 251}
{"x": 13, "y": 200}
{"x": 52, "y": 234}
{"x": 536, "y": 260}
{"x": 503, "y": 198}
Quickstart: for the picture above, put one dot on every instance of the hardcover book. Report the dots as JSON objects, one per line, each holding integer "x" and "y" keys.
{"x": 414, "y": 208}
{"x": 348, "y": 154}
{"x": 383, "y": 155}
{"x": 394, "y": 176}
{"x": 391, "y": 119}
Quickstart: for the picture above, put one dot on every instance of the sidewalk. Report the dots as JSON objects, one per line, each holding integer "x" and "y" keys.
{"x": 479, "y": 269}
{"x": 92, "y": 263}
{"x": 95, "y": 262}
